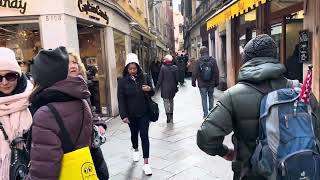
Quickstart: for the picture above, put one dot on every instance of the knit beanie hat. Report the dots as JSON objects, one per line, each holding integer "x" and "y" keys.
{"x": 203, "y": 50}
{"x": 167, "y": 58}
{"x": 8, "y": 60}
{"x": 260, "y": 46}
{"x": 50, "y": 66}
{"x": 132, "y": 58}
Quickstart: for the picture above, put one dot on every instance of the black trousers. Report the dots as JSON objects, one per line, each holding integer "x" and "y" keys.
{"x": 99, "y": 163}
{"x": 140, "y": 125}
{"x": 155, "y": 76}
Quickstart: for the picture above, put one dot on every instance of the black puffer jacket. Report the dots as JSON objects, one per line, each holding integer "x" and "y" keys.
{"x": 131, "y": 98}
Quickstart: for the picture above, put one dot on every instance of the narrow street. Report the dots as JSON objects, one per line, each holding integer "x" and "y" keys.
{"x": 174, "y": 154}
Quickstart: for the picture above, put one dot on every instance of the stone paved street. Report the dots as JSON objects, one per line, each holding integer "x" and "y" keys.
{"x": 174, "y": 154}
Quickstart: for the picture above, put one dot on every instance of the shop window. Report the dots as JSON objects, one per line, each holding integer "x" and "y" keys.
{"x": 294, "y": 24}
{"x": 276, "y": 31}
{"x": 91, "y": 55}
{"x": 120, "y": 51}
{"x": 23, "y": 39}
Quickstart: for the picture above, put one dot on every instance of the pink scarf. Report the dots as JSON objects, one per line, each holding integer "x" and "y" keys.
{"x": 16, "y": 119}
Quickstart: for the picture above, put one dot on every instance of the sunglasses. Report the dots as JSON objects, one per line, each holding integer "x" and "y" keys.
{"x": 9, "y": 77}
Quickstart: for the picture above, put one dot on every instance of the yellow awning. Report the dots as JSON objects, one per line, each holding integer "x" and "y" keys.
{"x": 233, "y": 9}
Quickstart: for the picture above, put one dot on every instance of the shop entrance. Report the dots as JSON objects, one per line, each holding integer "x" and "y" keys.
{"x": 91, "y": 53}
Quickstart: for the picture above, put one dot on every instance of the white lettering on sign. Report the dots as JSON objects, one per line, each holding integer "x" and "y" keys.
{"x": 53, "y": 18}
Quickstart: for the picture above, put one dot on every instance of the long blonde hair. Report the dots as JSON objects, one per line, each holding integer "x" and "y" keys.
{"x": 82, "y": 68}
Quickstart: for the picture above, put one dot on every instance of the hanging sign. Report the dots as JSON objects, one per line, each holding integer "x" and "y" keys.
{"x": 305, "y": 38}
{"x": 93, "y": 11}
{"x": 14, "y": 4}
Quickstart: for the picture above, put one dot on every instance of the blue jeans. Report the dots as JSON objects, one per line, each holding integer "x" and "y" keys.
{"x": 206, "y": 92}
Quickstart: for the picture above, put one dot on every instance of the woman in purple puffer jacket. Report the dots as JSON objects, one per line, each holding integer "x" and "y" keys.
{"x": 68, "y": 95}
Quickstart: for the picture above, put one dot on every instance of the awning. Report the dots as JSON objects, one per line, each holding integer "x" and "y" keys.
{"x": 231, "y": 10}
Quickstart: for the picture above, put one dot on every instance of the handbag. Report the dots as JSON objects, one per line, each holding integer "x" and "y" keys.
{"x": 153, "y": 109}
{"x": 19, "y": 161}
{"x": 76, "y": 163}
{"x": 153, "y": 106}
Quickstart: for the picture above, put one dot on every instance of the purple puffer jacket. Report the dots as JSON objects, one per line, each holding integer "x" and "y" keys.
{"x": 46, "y": 150}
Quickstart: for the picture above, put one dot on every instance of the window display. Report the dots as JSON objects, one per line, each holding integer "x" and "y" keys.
{"x": 23, "y": 39}
{"x": 120, "y": 51}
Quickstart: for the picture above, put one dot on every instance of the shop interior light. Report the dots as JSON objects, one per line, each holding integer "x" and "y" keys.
{"x": 250, "y": 16}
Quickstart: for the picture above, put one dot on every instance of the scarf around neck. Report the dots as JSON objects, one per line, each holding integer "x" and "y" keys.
{"x": 16, "y": 120}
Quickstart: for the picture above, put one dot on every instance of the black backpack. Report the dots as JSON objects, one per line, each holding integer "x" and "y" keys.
{"x": 206, "y": 70}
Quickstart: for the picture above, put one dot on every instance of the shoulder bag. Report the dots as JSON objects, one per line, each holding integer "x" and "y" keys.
{"x": 19, "y": 157}
{"x": 76, "y": 163}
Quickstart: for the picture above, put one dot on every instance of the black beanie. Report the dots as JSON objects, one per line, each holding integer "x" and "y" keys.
{"x": 50, "y": 66}
{"x": 260, "y": 46}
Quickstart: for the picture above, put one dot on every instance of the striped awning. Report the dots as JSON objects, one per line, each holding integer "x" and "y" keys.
{"x": 231, "y": 10}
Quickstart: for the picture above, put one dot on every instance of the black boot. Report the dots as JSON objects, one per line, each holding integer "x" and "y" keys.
{"x": 171, "y": 117}
{"x": 168, "y": 117}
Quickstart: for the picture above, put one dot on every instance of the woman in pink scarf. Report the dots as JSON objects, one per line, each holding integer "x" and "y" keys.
{"x": 15, "y": 117}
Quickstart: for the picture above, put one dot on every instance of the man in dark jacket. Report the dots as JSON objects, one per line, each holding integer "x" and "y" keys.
{"x": 168, "y": 81}
{"x": 155, "y": 70}
{"x": 181, "y": 64}
{"x": 238, "y": 108}
{"x": 206, "y": 84}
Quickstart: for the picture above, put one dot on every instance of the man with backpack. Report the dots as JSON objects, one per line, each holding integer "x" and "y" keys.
{"x": 261, "y": 140}
{"x": 206, "y": 72}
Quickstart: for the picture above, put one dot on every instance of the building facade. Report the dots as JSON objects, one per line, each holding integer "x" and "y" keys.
{"x": 102, "y": 32}
{"x": 97, "y": 30}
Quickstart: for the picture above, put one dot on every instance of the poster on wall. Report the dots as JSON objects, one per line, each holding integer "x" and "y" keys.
{"x": 305, "y": 38}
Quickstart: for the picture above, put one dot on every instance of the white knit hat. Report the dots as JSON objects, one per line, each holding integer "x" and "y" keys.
{"x": 168, "y": 57}
{"x": 132, "y": 58}
{"x": 8, "y": 60}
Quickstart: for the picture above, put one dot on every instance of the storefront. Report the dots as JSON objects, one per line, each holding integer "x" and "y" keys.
{"x": 98, "y": 32}
{"x": 245, "y": 19}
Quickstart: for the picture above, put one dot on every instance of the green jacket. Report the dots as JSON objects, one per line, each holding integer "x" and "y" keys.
{"x": 238, "y": 111}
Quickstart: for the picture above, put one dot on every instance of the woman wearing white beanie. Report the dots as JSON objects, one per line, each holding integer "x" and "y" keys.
{"x": 15, "y": 117}
{"x": 133, "y": 106}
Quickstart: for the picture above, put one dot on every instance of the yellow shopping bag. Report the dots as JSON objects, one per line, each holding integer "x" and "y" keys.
{"x": 78, "y": 165}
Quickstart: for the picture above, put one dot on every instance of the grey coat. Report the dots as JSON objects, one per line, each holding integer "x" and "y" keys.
{"x": 168, "y": 81}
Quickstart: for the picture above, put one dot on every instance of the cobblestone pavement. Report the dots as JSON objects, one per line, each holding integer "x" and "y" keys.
{"x": 174, "y": 154}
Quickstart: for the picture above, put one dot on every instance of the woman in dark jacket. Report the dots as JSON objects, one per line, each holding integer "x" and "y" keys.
{"x": 133, "y": 89}
{"x": 68, "y": 96}
{"x": 168, "y": 81}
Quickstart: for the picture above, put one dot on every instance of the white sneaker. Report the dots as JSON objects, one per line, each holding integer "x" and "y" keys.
{"x": 147, "y": 169}
{"x": 135, "y": 156}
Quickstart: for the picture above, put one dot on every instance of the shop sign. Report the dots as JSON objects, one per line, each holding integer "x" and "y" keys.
{"x": 93, "y": 9}
{"x": 14, "y": 4}
{"x": 305, "y": 38}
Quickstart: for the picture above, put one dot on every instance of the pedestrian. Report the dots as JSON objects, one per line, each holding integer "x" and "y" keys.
{"x": 206, "y": 73}
{"x": 155, "y": 70}
{"x": 68, "y": 96}
{"x": 181, "y": 64}
{"x": 133, "y": 90}
{"x": 15, "y": 117}
{"x": 239, "y": 107}
{"x": 77, "y": 68}
{"x": 168, "y": 82}
{"x": 190, "y": 66}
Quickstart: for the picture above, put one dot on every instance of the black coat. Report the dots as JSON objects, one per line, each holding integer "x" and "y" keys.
{"x": 168, "y": 81}
{"x": 131, "y": 98}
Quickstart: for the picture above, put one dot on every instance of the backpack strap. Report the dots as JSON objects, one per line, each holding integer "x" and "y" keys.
{"x": 67, "y": 144}
{"x": 4, "y": 132}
